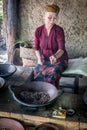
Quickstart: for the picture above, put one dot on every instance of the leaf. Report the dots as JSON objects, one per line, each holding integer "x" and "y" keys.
{"x": 22, "y": 43}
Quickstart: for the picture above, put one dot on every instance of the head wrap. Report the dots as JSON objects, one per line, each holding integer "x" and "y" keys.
{"x": 52, "y": 8}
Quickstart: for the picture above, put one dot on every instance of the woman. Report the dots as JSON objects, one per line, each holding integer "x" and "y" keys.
{"x": 49, "y": 47}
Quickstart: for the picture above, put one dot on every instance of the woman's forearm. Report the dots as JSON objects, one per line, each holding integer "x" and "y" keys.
{"x": 58, "y": 54}
{"x": 38, "y": 56}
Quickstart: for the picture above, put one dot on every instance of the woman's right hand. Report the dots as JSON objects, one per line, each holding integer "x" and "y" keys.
{"x": 52, "y": 59}
{"x": 40, "y": 62}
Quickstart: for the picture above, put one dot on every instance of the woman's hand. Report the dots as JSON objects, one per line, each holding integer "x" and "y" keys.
{"x": 53, "y": 59}
{"x": 40, "y": 62}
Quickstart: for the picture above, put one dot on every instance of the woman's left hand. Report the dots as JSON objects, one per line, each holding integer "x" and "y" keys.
{"x": 53, "y": 59}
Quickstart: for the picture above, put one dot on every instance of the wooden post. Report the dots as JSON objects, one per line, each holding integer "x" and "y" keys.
{"x": 5, "y": 3}
{"x": 11, "y": 28}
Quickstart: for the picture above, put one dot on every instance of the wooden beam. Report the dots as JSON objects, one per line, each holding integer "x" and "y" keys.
{"x": 36, "y": 120}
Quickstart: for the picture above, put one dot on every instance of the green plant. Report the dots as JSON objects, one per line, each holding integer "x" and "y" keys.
{"x": 1, "y": 16}
{"x": 25, "y": 44}
{"x": 1, "y": 10}
{"x": 1, "y": 2}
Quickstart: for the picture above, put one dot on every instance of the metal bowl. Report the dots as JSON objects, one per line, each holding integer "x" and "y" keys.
{"x": 10, "y": 124}
{"x": 35, "y": 86}
{"x": 7, "y": 70}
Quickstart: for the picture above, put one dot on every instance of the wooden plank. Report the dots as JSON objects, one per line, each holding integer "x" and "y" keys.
{"x": 83, "y": 126}
{"x": 36, "y": 120}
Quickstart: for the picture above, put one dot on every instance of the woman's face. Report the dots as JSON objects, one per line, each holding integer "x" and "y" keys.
{"x": 50, "y": 18}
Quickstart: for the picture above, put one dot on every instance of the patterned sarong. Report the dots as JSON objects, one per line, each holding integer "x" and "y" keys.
{"x": 49, "y": 72}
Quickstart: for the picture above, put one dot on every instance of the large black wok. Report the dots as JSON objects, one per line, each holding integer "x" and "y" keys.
{"x": 7, "y": 70}
{"x": 36, "y": 86}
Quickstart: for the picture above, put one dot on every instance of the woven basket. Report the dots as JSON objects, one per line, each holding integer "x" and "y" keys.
{"x": 28, "y": 62}
{"x": 27, "y": 53}
{"x": 28, "y": 56}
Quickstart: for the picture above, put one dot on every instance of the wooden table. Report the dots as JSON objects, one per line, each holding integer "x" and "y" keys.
{"x": 10, "y": 108}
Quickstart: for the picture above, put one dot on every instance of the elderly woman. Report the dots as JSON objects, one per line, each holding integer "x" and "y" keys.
{"x": 49, "y": 45}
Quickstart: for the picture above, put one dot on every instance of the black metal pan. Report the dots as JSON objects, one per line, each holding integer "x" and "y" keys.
{"x": 7, "y": 70}
{"x": 35, "y": 86}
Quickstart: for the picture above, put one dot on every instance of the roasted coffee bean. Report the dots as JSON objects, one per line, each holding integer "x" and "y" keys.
{"x": 34, "y": 97}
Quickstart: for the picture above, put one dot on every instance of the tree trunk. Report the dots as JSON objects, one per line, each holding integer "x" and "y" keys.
{"x": 10, "y": 23}
{"x": 5, "y": 3}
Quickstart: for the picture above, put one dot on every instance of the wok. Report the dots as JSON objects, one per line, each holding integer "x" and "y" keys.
{"x": 35, "y": 86}
{"x": 7, "y": 70}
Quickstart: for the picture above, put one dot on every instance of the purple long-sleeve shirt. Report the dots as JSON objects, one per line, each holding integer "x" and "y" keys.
{"x": 49, "y": 45}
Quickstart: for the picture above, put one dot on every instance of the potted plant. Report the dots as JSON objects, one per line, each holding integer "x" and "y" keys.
{"x": 27, "y": 53}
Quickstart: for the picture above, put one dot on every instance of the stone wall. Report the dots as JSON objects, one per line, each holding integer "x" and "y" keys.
{"x": 72, "y": 17}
